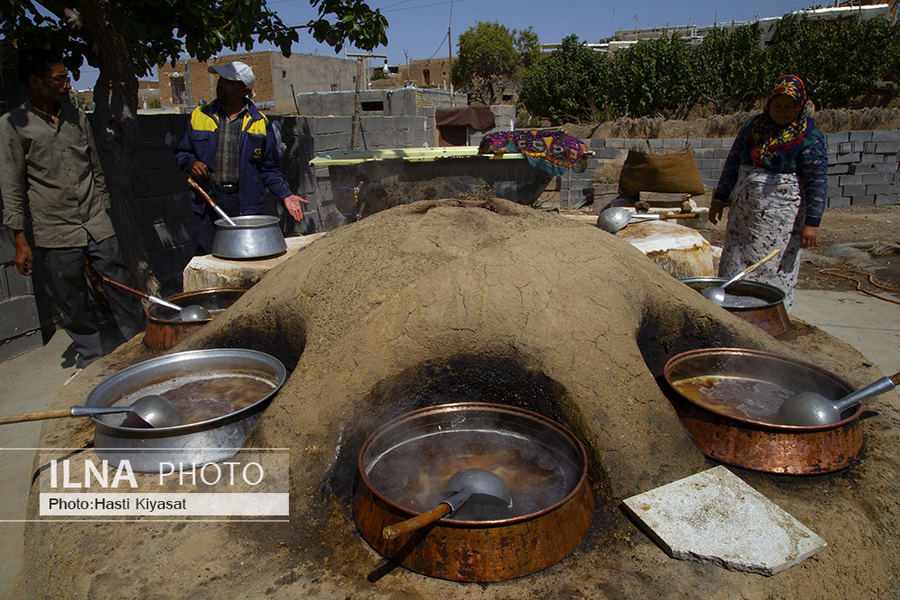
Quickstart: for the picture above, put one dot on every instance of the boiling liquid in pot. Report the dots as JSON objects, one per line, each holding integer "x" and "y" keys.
{"x": 739, "y": 301}
{"x": 201, "y": 397}
{"x": 414, "y": 473}
{"x": 740, "y": 397}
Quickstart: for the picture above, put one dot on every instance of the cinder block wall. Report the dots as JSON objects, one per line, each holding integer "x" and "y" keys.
{"x": 862, "y": 165}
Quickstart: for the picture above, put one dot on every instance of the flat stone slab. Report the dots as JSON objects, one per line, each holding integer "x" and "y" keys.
{"x": 714, "y": 517}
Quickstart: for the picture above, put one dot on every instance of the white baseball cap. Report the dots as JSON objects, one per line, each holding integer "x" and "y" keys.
{"x": 235, "y": 71}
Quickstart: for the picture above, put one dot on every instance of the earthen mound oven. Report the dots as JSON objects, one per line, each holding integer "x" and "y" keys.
{"x": 447, "y": 301}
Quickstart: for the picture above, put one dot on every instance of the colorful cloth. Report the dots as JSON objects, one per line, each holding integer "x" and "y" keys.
{"x": 775, "y": 147}
{"x": 550, "y": 151}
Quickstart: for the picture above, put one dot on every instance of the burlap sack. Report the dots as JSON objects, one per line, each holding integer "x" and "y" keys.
{"x": 668, "y": 173}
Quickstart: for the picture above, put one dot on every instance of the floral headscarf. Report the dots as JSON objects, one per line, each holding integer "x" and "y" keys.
{"x": 773, "y": 146}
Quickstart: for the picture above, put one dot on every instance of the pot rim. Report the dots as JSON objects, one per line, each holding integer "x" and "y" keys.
{"x": 777, "y": 295}
{"x": 174, "y": 298}
{"x": 104, "y": 388}
{"x": 486, "y": 406}
{"x": 769, "y": 356}
{"x": 247, "y": 222}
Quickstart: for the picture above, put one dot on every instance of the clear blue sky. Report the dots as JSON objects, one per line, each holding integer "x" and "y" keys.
{"x": 419, "y": 27}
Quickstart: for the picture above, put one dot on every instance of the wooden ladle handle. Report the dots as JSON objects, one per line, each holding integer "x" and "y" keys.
{"x": 392, "y": 531}
{"x": 202, "y": 193}
{"x": 678, "y": 216}
{"x": 36, "y": 416}
{"x": 127, "y": 288}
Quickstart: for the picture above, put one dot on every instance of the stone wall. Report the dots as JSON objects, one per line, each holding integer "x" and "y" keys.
{"x": 862, "y": 165}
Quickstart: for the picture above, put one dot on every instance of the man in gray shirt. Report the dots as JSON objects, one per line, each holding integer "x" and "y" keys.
{"x": 48, "y": 164}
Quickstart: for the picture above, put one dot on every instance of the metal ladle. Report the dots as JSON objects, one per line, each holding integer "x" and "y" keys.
{"x": 152, "y": 409}
{"x": 192, "y": 312}
{"x": 614, "y": 218}
{"x": 211, "y": 202}
{"x": 463, "y": 485}
{"x": 810, "y": 408}
{"x": 717, "y": 294}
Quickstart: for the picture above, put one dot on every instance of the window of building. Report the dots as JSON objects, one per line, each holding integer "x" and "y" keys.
{"x": 179, "y": 96}
{"x": 284, "y": 74}
{"x": 372, "y": 106}
{"x": 426, "y": 74}
{"x": 333, "y": 87}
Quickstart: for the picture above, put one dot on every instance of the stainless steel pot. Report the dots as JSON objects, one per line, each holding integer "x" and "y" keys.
{"x": 251, "y": 237}
{"x": 212, "y": 440}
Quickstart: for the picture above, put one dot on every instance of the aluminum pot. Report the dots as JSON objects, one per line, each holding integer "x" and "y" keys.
{"x": 164, "y": 331}
{"x": 476, "y": 551}
{"x": 764, "y": 305}
{"x": 212, "y": 440}
{"x": 756, "y": 444}
{"x": 252, "y": 237}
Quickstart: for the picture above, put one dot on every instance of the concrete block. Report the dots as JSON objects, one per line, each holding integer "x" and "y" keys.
{"x": 886, "y": 167}
{"x": 845, "y": 147}
{"x": 858, "y": 146}
{"x": 864, "y": 200}
{"x": 834, "y": 169}
{"x": 851, "y": 157}
{"x": 598, "y": 143}
{"x": 887, "y": 147}
{"x": 861, "y": 136}
{"x": 886, "y": 135}
{"x": 869, "y": 147}
{"x": 845, "y": 180}
{"x": 838, "y": 201}
{"x": 715, "y": 517}
{"x": 17, "y": 346}
{"x": 837, "y": 137}
{"x": 873, "y": 179}
{"x": 704, "y": 153}
{"x": 853, "y": 190}
{"x": 16, "y": 283}
{"x": 883, "y": 188}
{"x": 673, "y": 143}
{"x": 886, "y": 199}
{"x": 612, "y": 154}
{"x": 4, "y": 285}
{"x": 18, "y": 316}
{"x": 618, "y": 143}
{"x": 721, "y": 153}
{"x": 865, "y": 168}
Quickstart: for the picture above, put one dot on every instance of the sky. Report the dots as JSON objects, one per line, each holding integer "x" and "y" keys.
{"x": 418, "y": 28}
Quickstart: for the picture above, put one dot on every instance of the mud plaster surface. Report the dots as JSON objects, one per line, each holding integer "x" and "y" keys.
{"x": 452, "y": 299}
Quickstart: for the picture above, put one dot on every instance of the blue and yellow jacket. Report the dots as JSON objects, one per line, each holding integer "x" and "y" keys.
{"x": 260, "y": 166}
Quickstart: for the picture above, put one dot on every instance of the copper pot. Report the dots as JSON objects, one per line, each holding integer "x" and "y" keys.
{"x": 163, "y": 333}
{"x": 766, "y": 312}
{"x": 475, "y": 550}
{"x": 754, "y": 443}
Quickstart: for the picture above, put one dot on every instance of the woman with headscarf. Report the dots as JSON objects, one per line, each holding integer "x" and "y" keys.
{"x": 775, "y": 183}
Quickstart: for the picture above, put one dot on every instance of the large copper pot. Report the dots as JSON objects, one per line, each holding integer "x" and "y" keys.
{"x": 756, "y": 443}
{"x": 768, "y": 313}
{"x": 475, "y": 551}
{"x": 165, "y": 329}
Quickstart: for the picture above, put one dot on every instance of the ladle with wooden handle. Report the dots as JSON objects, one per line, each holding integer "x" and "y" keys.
{"x": 462, "y": 485}
{"x": 810, "y": 408}
{"x": 614, "y": 218}
{"x": 211, "y": 202}
{"x": 152, "y": 409}
{"x": 717, "y": 294}
{"x": 192, "y": 312}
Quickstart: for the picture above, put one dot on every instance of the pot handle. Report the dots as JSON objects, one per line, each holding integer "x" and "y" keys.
{"x": 392, "y": 531}
{"x": 36, "y": 416}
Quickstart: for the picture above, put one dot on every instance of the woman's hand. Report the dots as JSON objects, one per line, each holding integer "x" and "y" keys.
{"x": 809, "y": 235}
{"x": 716, "y": 207}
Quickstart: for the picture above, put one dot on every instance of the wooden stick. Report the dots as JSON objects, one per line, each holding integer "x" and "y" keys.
{"x": 417, "y": 522}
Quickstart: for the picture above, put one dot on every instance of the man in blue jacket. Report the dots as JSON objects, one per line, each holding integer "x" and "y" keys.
{"x": 231, "y": 138}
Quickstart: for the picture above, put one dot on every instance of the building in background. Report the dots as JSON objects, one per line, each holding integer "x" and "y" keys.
{"x": 278, "y": 79}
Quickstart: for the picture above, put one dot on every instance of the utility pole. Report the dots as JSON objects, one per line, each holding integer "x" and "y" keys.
{"x": 354, "y": 136}
{"x": 450, "y": 73}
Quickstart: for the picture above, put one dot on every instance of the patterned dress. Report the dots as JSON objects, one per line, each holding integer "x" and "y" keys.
{"x": 771, "y": 194}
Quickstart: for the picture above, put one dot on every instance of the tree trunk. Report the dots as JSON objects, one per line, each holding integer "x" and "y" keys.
{"x": 117, "y": 134}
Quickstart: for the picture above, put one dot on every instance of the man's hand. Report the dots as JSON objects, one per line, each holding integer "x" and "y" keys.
{"x": 809, "y": 235}
{"x": 198, "y": 171}
{"x": 24, "y": 258}
{"x": 716, "y": 207}
{"x": 294, "y": 205}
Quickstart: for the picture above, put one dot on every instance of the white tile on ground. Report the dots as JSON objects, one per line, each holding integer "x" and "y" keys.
{"x": 714, "y": 517}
